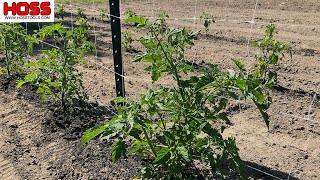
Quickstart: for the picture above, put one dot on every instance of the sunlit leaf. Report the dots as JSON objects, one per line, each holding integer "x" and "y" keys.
{"x": 118, "y": 149}
{"x": 163, "y": 155}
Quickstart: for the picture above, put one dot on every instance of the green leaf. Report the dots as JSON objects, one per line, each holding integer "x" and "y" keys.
{"x": 201, "y": 142}
{"x": 92, "y": 133}
{"x": 44, "y": 97}
{"x": 224, "y": 117}
{"x": 231, "y": 73}
{"x": 148, "y": 95}
{"x": 120, "y": 100}
{"x": 139, "y": 57}
{"x": 148, "y": 43}
{"x": 135, "y": 133}
{"x": 162, "y": 156}
{"x": 137, "y": 146}
{"x": 263, "y": 112}
{"x": 238, "y": 64}
{"x": 139, "y": 20}
{"x": 28, "y": 78}
{"x": 108, "y": 133}
{"x": 212, "y": 132}
{"x": 183, "y": 152}
{"x": 118, "y": 149}
{"x": 214, "y": 165}
{"x": 20, "y": 83}
{"x": 241, "y": 84}
{"x": 259, "y": 96}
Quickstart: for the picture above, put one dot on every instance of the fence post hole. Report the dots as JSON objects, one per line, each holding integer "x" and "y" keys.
{"x": 116, "y": 43}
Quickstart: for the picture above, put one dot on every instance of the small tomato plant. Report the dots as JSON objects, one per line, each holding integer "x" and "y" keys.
{"x": 61, "y": 13}
{"x": 80, "y": 13}
{"x": 272, "y": 51}
{"x": 55, "y": 74}
{"x": 14, "y": 44}
{"x": 127, "y": 40}
{"x": 103, "y": 13}
{"x": 175, "y": 127}
{"x": 207, "y": 21}
{"x": 130, "y": 14}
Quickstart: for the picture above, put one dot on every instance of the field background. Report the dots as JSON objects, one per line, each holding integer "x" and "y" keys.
{"x": 38, "y": 142}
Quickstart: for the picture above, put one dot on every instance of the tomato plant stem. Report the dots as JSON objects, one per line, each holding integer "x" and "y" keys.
{"x": 172, "y": 66}
{"x": 149, "y": 142}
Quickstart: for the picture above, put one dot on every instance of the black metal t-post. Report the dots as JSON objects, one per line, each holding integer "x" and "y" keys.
{"x": 116, "y": 43}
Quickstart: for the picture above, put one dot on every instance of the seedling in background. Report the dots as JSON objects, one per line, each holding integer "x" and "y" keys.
{"x": 104, "y": 15}
{"x": 55, "y": 74}
{"x": 272, "y": 51}
{"x": 130, "y": 14}
{"x": 14, "y": 43}
{"x": 80, "y": 13}
{"x": 61, "y": 13}
{"x": 174, "y": 127}
{"x": 83, "y": 27}
{"x": 207, "y": 21}
{"x": 83, "y": 23}
{"x": 127, "y": 40}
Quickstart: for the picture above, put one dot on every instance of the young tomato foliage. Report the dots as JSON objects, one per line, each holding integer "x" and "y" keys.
{"x": 80, "y": 13}
{"x": 131, "y": 15}
{"x": 207, "y": 20}
{"x": 61, "y": 13}
{"x": 104, "y": 15}
{"x": 175, "y": 127}
{"x": 55, "y": 74}
{"x": 127, "y": 40}
{"x": 272, "y": 51}
{"x": 15, "y": 43}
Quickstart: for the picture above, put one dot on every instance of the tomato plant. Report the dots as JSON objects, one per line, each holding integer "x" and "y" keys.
{"x": 272, "y": 51}
{"x": 103, "y": 13}
{"x": 55, "y": 74}
{"x": 83, "y": 26}
{"x": 61, "y": 13}
{"x": 129, "y": 15}
{"x": 207, "y": 20}
{"x": 127, "y": 40}
{"x": 80, "y": 13}
{"x": 15, "y": 43}
{"x": 176, "y": 127}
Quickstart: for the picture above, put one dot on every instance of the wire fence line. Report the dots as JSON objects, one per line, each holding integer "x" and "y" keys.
{"x": 252, "y": 21}
{"x": 264, "y": 172}
{"x": 251, "y": 26}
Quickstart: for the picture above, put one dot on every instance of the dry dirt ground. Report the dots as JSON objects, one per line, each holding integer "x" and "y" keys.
{"x": 37, "y": 141}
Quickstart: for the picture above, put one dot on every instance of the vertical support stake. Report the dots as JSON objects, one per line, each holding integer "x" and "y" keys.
{"x": 116, "y": 44}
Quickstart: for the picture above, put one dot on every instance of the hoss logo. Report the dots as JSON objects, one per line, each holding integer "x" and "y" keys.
{"x": 24, "y": 8}
{"x": 27, "y": 11}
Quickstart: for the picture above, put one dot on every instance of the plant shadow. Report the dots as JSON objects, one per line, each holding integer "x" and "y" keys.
{"x": 71, "y": 125}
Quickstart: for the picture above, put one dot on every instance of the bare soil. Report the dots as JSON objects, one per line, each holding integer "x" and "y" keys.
{"x": 38, "y": 141}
